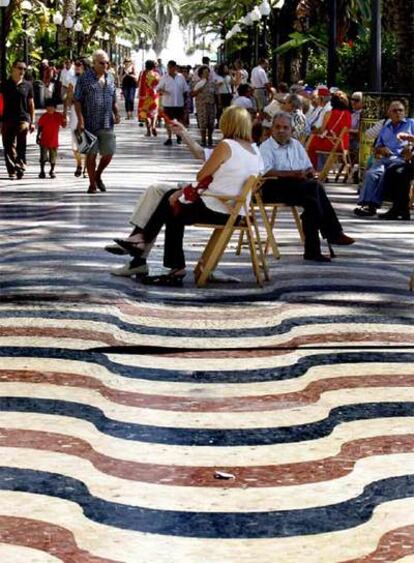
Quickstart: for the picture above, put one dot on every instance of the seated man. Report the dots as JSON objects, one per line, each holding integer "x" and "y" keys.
{"x": 291, "y": 181}
{"x": 392, "y": 157}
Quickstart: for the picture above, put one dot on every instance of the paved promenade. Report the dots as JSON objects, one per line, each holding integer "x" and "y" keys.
{"x": 225, "y": 424}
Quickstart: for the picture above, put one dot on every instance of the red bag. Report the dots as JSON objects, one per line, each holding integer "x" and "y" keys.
{"x": 1, "y": 105}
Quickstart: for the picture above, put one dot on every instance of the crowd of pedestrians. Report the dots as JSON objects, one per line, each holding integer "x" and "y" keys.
{"x": 282, "y": 132}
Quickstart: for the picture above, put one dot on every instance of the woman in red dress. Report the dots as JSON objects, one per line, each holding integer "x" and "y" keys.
{"x": 335, "y": 120}
{"x": 148, "y": 97}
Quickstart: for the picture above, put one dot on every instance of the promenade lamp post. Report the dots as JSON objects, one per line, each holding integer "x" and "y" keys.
{"x": 277, "y": 8}
{"x": 142, "y": 48}
{"x": 332, "y": 41}
{"x": 3, "y": 5}
{"x": 265, "y": 10}
{"x": 375, "y": 82}
{"x": 57, "y": 20}
{"x": 78, "y": 30}
{"x": 256, "y": 16}
{"x": 26, "y": 7}
{"x": 248, "y": 22}
{"x": 99, "y": 36}
{"x": 68, "y": 23}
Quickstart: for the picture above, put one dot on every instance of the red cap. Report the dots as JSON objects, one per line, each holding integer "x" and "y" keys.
{"x": 323, "y": 91}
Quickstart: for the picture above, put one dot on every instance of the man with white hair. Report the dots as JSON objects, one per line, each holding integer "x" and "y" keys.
{"x": 97, "y": 112}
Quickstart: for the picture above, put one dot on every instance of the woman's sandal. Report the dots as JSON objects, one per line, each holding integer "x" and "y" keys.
{"x": 165, "y": 280}
{"x": 133, "y": 248}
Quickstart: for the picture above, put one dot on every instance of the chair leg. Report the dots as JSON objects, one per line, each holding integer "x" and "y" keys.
{"x": 253, "y": 255}
{"x": 298, "y": 222}
{"x": 240, "y": 243}
{"x": 216, "y": 246}
{"x": 263, "y": 261}
{"x": 212, "y": 243}
{"x": 271, "y": 240}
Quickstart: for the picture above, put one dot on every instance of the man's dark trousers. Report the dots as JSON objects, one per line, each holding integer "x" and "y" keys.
{"x": 14, "y": 136}
{"x": 318, "y": 213}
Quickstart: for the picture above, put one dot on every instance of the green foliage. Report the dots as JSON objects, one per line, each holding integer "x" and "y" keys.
{"x": 354, "y": 63}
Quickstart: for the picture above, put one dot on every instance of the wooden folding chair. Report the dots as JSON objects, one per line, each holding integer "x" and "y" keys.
{"x": 222, "y": 234}
{"x": 339, "y": 156}
{"x": 269, "y": 224}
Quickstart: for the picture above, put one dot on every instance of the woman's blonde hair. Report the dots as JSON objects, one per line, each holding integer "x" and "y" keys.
{"x": 236, "y": 123}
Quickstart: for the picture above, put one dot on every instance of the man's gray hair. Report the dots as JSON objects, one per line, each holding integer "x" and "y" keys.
{"x": 99, "y": 54}
{"x": 295, "y": 100}
{"x": 282, "y": 115}
{"x": 357, "y": 95}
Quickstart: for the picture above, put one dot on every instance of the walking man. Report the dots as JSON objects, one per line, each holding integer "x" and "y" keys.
{"x": 18, "y": 119}
{"x": 173, "y": 88}
{"x": 97, "y": 112}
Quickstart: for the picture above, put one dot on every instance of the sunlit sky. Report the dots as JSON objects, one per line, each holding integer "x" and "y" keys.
{"x": 175, "y": 49}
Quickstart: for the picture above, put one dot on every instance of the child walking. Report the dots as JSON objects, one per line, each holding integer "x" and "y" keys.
{"x": 48, "y": 137}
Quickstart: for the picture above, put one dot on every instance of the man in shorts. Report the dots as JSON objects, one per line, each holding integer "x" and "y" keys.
{"x": 174, "y": 89}
{"x": 97, "y": 112}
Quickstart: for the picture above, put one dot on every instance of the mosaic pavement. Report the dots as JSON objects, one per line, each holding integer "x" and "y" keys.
{"x": 183, "y": 425}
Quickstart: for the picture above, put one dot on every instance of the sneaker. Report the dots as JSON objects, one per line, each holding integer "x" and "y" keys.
{"x": 115, "y": 249}
{"x": 168, "y": 143}
{"x": 179, "y": 140}
{"x": 78, "y": 172}
{"x": 42, "y": 175}
{"x": 12, "y": 176}
{"x": 52, "y": 174}
{"x": 135, "y": 267}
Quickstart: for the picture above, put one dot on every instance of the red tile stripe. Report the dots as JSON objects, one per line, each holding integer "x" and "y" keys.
{"x": 52, "y": 539}
{"x": 310, "y": 394}
{"x": 256, "y": 476}
{"x": 392, "y": 546}
{"x": 278, "y": 349}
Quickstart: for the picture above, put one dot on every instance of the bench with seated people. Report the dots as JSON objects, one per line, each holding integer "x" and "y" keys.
{"x": 390, "y": 174}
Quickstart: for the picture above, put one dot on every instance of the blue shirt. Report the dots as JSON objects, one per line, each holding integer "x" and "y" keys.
{"x": 388, "y": 135}
{"x": 96, "y": 99}
{"x": 289, "y": 157}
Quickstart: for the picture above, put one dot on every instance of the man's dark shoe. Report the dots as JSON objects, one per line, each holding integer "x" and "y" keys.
{"x": 365, "y": 211}
{"x": 91, "y": 190}
{"x": 52, "y": 174}
{"x": 19, "y": 174}
{"x": 342, "y": 240}
{"x": 316, "y": 257}
{"x": 42, "y": 175}
{"x": 12, "y": 176}
{"x": 179, "y": 140}
{"x": 168, "y": 143}
{"x": 78, "y": 171}
{"x": 393, "y": 215}
{"x": 100, "y": 185}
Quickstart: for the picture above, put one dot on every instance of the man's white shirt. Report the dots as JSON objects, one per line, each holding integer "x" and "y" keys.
{"x": 319, "y": 122}
{"x": 289, "y": 157}
{"x": 259, "y": 77}
{"x": 175, "y": 88}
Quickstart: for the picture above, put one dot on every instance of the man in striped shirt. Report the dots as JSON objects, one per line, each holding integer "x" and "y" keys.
{"x": 97, "y": 112}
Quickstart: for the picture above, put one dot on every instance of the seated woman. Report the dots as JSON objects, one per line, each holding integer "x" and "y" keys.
{"x": 231, "y": 163}
{"x": 334, "y": 121}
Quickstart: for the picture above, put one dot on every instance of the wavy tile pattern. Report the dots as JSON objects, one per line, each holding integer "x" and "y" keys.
{"x": 181, "y": 425}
